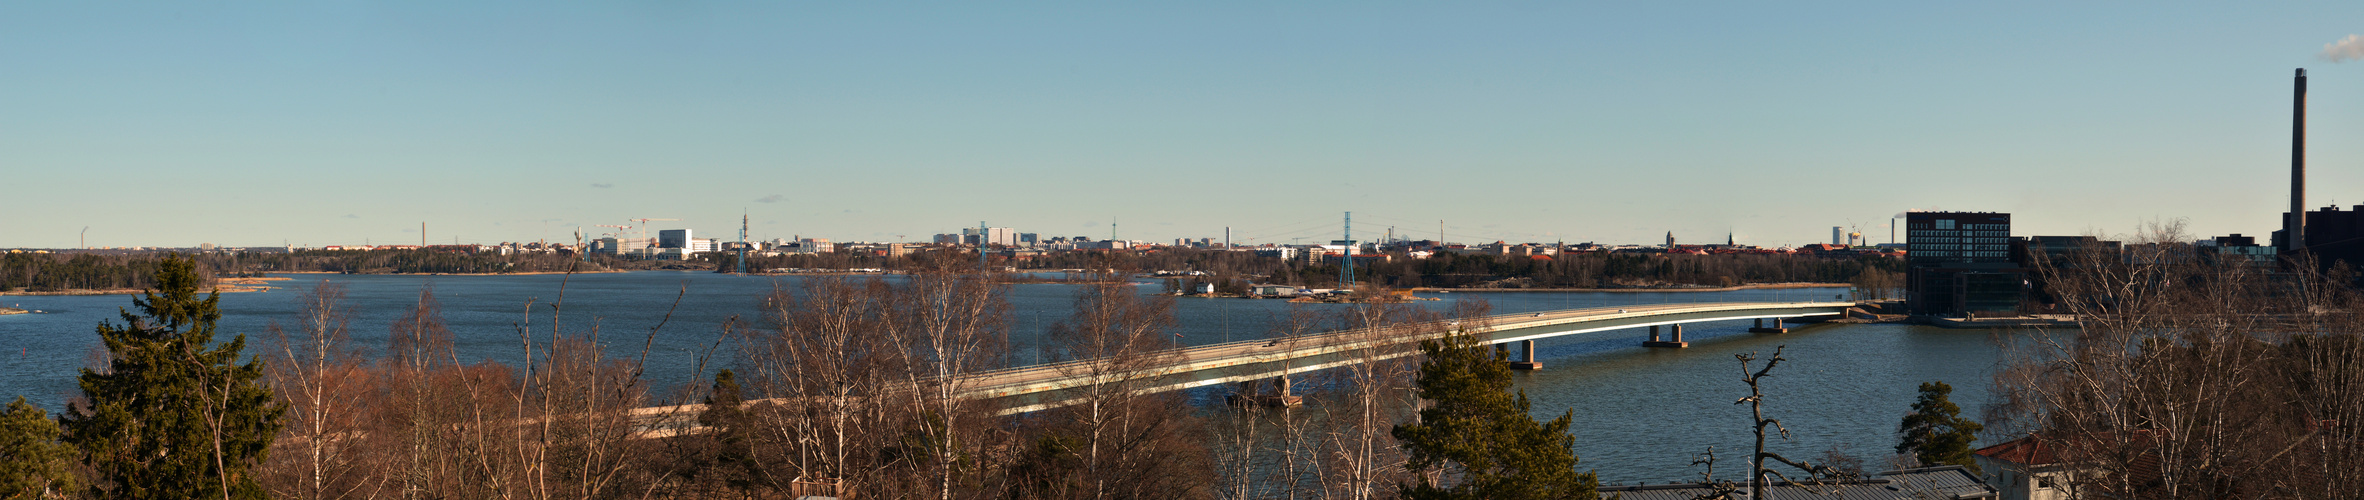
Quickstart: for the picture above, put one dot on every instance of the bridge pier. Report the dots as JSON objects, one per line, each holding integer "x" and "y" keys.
{"x": 1527, "y": 347}
{"x": 1677, "y": 343}
{"x": 1760, "y": 328}
{"x": 1250, "y": 393}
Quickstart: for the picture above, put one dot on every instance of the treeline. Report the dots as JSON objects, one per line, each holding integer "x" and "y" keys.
{"x": 85, "y": 271}
{"x": 408, "y": 262}
{"x": 1454, "y": 270}
{"x": 849, "y": 387}
{"x": 48, "y": 272}
{"x": 1605, "y": 270}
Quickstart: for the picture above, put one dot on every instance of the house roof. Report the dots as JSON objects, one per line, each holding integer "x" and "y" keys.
{"x": 1947, "y": 482}
{"x": 2023, "y": 451}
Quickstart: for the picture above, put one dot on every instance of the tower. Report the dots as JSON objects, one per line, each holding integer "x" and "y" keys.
{"x": 1346, "y": 266}
{"x": 1670, "y": 240}
{"x": 2294, "y": 225}
{"x": 742, "y": 242}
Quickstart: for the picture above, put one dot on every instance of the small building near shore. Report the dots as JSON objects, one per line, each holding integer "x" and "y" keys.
{"x": 1272, "y": 290}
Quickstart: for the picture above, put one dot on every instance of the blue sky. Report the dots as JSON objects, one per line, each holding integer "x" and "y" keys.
{"x": 316, "y": 123}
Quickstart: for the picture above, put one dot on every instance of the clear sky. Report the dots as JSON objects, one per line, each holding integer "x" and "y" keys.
{"x": 342, "y": 122}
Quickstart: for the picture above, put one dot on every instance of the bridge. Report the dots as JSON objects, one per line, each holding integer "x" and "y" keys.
{"x": 1040, "y": 387}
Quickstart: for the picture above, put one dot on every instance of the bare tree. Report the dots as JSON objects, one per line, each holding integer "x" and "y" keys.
{"x": 953, "y": 326}
{"x": 322, "y": 382}
{"x": 2194, "y": 375}
{"x": 1758, "y": 473}
{"x": 822, "y": 370}
{"x": 1132, "y": 441}
{"x": 1371, "y": 392}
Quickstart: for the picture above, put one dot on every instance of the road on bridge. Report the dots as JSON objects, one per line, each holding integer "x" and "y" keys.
{"x": 1038, "y": 387}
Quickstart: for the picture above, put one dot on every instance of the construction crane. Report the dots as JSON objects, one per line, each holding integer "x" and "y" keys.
{"x": 619, "y": 233}
{"x": 644, "y": 227}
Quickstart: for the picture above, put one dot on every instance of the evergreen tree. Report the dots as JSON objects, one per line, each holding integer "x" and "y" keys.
{"x": 733, "y": 456}
{"x": 1479, "y": 432}
{"x": 1935, "y": 432}
{"x": 33, "y": 464}
{"x": 173, "y": 415}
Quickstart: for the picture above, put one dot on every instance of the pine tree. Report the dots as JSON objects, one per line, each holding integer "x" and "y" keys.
{"x": 33, "y": 464}
{"x": 173, "y": 415}
{"x": 1478, "y": 431}
{"x": 733, "y": 457}
{"x": 1935, "y": 431}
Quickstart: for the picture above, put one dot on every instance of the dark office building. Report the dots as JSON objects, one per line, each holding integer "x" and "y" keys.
{"x": 1961, "y": 264}
{"x": 2333, "y": 235}
{"x": 2244, "y": 249}
{"x": 2061, "y": 254}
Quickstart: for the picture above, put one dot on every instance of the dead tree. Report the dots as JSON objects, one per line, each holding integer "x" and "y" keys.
{"x": 1756, "y": 405}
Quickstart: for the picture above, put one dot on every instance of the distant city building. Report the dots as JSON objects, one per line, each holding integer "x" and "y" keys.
{"x": 673, "y": 238}
{"x": 2333, "y": 235}
{"x": 2246, "y": 248}
{"x": 991, "y": 236}
{"x": 621, "y": 246}
{"x": 1960, "y": 263}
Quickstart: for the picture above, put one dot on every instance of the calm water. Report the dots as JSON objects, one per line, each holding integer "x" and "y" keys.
{"x": 1641, "y": 414}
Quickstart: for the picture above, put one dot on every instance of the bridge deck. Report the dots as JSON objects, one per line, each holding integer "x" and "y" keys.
{"x": 1038, "y": 387}
{"x": 1264, "y": 359}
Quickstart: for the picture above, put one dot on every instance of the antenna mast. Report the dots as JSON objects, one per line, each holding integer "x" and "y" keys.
{"x": 1346, "y": 270}
{"x": 742, "y": 242}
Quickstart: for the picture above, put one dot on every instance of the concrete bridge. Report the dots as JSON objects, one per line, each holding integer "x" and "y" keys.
{"x": 1039, "y": 387}
{"x": 1252, "y": 363}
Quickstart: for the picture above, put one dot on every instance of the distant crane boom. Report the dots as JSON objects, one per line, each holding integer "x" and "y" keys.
{"x": 644, "y": 226}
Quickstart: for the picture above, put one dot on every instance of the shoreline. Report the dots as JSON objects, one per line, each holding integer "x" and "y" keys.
{"x": 1762, "y": 286}
{"x": 524, "y": 273}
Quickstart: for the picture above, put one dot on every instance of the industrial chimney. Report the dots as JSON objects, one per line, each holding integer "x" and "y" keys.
{"x": 2294, "y": 225}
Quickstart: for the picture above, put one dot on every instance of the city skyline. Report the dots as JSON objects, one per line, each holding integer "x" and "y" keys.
{"x": 342, "y": 124}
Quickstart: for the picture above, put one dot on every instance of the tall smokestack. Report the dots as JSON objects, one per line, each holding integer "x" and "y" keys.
{"x": 2295, "y": 224}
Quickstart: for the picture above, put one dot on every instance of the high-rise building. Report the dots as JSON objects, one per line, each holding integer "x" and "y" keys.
{"x": 673, "y": 238}
{"x": 991, "y": 236}
{"x": 1959, "y": 263}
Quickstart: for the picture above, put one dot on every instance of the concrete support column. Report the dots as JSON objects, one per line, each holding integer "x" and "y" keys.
{"x": 1283, "y": 384}
{"x": 1677, "y": 342}
{"x": 1776, "y": 328}
{"x": 1527, "y": 356}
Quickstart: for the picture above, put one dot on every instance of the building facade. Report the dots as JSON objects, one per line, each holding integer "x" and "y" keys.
{"x": 1960, "y": 264}
{"x": 673, "y": 238}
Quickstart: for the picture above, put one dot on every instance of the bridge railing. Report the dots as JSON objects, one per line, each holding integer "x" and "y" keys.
{"x": 1044, "y": 376}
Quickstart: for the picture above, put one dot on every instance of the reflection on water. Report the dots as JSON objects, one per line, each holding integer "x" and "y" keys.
{"x": 1640, "y": 414}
